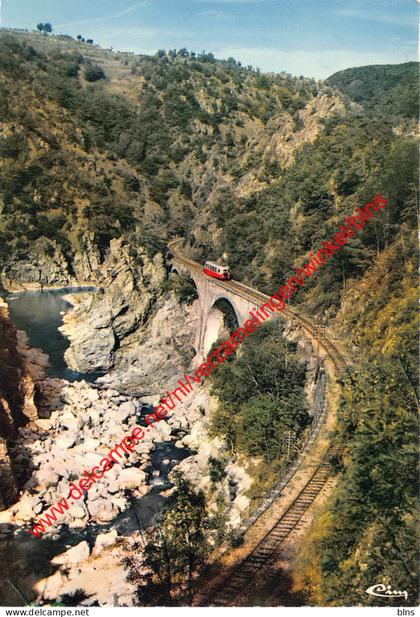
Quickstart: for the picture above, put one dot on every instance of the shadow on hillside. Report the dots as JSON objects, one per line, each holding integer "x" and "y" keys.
{"x": 273, "y": 588}
{"x": 270, "y": 587}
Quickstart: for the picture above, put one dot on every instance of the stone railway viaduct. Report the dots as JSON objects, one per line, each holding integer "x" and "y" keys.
{"x": 210, "y": 291}
{"x": 242, "y": 299}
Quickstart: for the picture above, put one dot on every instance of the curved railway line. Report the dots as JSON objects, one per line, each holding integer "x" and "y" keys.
{"x": 265, "y": 553}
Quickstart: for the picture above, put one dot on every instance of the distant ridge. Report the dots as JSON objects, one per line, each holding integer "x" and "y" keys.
{"x": 381, "y": 84}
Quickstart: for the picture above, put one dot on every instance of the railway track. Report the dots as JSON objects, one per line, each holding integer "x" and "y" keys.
{"x": 326, "y": 344}
{"x": 265, "y": 553}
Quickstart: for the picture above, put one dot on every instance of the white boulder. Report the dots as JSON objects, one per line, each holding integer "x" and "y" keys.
{"x": 75, "y": 554}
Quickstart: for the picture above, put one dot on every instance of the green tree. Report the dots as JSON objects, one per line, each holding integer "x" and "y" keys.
{"x": 45, "y": 28}
{"x": 184, "y": 288}
{"x": 94, "y": 73}
{"x": 175, "y": 548}
{"x": 186, "y": 523}
{"x": 216, "y": 470}
{"x": 265, "y": 423}
{"x": 261, "y": 394}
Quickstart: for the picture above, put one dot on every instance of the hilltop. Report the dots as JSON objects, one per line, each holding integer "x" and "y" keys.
{"x": 390, "y": 87}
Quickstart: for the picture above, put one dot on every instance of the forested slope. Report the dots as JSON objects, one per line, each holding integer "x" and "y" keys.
{"x": 367, "y": 532}
{"x": 390, "y": 87}
{"x": 78, "y": 157}
{"x": 237, "y": 162}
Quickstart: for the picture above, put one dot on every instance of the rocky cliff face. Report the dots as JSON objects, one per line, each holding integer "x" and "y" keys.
{"x": 17, "y": 400}
{"x": 158, "y": 353}
{"x": 45, "y": 265}
{"x": 128, "y": 327}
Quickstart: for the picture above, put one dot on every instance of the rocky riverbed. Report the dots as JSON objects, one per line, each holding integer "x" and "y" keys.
{"x": 84, "y": 423}
{"x": 80, "y": 559}
{"x": 134, "y": 330}
{"x": 81, "y": 556}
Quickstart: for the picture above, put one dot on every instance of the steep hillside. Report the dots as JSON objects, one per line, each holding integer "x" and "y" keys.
{"x": 367, "y": 531}
{"x": 78, "y": 159}
{"x": 234, "y": 161}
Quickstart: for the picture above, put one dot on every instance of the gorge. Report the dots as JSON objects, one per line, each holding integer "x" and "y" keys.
{"x": 97, "y": 180}
{"x": 79, "y": 420}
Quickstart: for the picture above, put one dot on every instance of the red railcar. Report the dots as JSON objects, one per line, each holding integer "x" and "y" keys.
{"x": 217, "y": 271}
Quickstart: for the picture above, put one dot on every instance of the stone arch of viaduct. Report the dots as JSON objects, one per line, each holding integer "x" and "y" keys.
{"x": 209, "y": 292}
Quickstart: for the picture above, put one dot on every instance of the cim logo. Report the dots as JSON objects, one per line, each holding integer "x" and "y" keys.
{"x": 385, "y": 591}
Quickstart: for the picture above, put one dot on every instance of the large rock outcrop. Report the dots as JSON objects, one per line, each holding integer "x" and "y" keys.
{"x": 104, "y": 327}
{"x": 46, "y": 266}
{"x": 17, "y": 400}
{"x": 158, "y": 353}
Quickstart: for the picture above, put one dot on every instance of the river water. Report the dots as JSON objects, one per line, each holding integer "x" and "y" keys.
{"x": 39, "y": 314}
